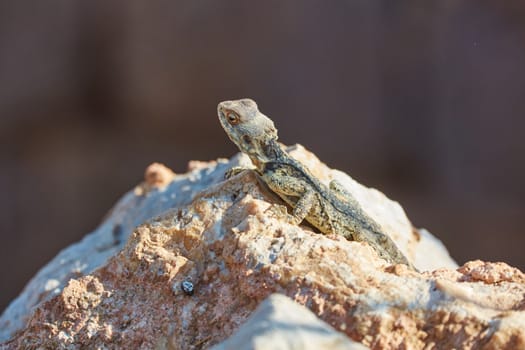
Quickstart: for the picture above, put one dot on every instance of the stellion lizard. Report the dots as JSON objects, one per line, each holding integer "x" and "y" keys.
{"x": 330, "y": 209}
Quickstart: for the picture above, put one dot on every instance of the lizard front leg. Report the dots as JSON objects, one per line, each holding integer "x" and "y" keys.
{"x": 303, "y": 206}
{"x": 289, "y": 189}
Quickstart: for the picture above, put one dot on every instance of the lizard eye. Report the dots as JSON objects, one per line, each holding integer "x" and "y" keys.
{"x": 233, "y": 118}
{"x": 247, "y": 139}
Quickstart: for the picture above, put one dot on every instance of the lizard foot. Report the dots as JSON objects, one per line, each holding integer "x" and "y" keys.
{"x": 233, "y": 171}
{"x": 293, "y": 220}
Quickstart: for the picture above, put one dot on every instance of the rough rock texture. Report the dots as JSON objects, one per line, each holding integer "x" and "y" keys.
{"x": 233, "y": 242}
{"x": 160, "y": 191}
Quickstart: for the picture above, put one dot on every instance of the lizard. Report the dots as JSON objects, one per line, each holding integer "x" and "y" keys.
{"x": 331, "y": 209}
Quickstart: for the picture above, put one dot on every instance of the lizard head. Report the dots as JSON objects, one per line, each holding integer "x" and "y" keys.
{"x": 247, "y": 127}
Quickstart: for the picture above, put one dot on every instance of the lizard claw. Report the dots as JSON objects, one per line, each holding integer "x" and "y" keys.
{"x": 293, "y": 220}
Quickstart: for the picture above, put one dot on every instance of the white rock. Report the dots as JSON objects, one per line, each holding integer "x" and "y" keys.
{"x": 281, "y": 324}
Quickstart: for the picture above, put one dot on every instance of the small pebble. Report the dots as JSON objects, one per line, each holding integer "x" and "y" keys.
{"x": 187, "y": 287}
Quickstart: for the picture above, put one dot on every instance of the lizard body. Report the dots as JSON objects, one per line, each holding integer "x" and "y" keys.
{"x": 330, "y": 209}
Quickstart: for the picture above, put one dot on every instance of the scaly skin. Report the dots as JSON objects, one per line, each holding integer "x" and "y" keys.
{"x": 331, "y": 210}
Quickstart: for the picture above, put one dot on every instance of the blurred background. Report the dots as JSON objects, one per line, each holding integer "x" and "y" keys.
{"x": 422, "y": 100}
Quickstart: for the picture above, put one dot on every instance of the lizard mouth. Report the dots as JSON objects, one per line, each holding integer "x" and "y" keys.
{"x": 224, "y": 123}
{"x": 226, "y": 126}
{"x": 221, "y": 116}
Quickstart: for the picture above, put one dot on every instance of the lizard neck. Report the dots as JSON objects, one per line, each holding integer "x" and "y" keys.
{"x": 268, "y": 151}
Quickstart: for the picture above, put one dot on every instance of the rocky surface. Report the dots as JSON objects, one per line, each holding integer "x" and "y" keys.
{"x": 160, "y": 191}
{"x": 279, "y": 323}
{"x": 231, "y": 241}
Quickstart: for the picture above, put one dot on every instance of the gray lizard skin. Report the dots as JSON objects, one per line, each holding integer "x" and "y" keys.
{"x": 330, "y": 209}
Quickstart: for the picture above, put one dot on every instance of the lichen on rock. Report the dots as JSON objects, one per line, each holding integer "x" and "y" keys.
{"x": 231, "y": 240}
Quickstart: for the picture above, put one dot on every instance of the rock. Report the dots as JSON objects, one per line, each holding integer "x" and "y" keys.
{"x": 156, "y": 176}
{"x": 154, "y": 196}
{"x": 230, "y": 241}
{"x": 280, "y": 324}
